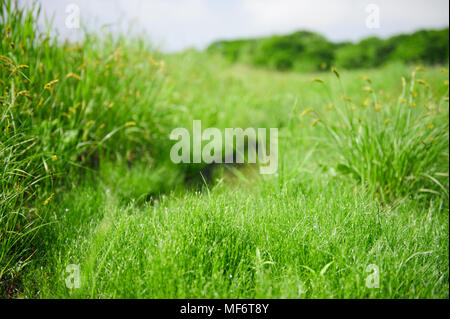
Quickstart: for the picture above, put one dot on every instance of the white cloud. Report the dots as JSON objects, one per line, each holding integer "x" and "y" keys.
{"x": 178, "y": 24}
{"x": 344, "y": 20}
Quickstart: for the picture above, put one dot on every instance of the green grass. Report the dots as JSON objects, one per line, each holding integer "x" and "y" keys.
{"x": 87, "y": 178}
{"x": 271, "y": 241}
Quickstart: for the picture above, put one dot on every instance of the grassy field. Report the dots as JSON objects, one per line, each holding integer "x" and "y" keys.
{"x": 87, "y": 180}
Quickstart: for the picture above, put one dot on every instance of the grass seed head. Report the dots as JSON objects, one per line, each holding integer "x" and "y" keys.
{"x": 50, "y": 84}
{"x": 333, "y": 69}
{"x": 368, "y": 89}
{"x": 307, "y": 111}
{"x": 366, "y": 78}
{"x": 73, "y": 76}
{"x": 423, "y": 82}
{"x": 48, "y": 199}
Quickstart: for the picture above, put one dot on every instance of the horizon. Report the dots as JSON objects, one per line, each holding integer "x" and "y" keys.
{"x": 334, "y": 42}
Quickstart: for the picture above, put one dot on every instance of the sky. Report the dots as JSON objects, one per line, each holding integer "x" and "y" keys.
{"x": 175, "y": 25}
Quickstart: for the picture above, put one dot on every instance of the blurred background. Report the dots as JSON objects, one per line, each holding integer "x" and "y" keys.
{"x": 283, "y": 35}
{"x": 179, "y": 24}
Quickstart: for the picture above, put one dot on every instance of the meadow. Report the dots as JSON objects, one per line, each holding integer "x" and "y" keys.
{"x": 86, "y": 177}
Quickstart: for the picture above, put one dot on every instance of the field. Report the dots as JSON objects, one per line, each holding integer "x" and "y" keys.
{"x": 359, "y": 206}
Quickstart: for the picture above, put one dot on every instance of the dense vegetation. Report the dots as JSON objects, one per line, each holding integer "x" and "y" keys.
{"x": 86, "y": 178}
{"x": 308, "y": 51}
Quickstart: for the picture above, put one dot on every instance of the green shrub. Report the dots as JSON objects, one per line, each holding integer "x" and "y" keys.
{"x": 308, "y": 51}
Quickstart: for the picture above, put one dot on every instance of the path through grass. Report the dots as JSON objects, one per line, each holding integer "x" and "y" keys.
{"x": 87, "y": 179}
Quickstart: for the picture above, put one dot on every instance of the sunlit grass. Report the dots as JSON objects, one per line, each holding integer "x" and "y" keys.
{"x": 86, "y": 176}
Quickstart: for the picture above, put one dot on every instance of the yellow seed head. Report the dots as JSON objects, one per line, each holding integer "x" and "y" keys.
{"x": 316, "y": 121}
{"x": 49, "y": 199}
{"x": 73, "y": 76}
{"x": 7, "y": 60}
{"x": 368, "y": 89}
{"x": 41, "y": 101}
{"x": 430, "y": 106}
{"x": 366, "y": 102}
{"x": 306, "y": 112}
{"x": 317, "y": 80}
{"x": 109, "y": 105}
{"x": 366, "y": 78}
{"x": 50, "y": 84}
{"x": 152, "y": 60}
{"x": 333, "y": 69}
{"x": 22, "y": 66}
{"x": 345, "y": 98}
{"x": 423, "y": 82}
{"x": 24, "y": 92}
{"x": 421, "y": 69}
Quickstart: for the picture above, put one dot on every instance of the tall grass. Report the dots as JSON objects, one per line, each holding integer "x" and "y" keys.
{"x": 395, "y": 147}
{"x": 64, "y": 107}
{"x": 86, "y": 176}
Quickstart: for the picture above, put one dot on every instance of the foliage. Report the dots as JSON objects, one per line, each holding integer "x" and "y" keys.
{"x": 308, "y": 51}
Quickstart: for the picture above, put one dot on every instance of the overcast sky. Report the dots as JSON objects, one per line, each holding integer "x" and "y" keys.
{"x": 178, "y": 24}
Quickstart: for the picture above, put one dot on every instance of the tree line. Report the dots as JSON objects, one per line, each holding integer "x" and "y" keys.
{"x": 309, "y": 51}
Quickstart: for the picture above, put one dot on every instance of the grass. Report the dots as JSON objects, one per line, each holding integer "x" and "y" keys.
{"x": 272, "y": 242}
{"x": 87, "y": 179}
